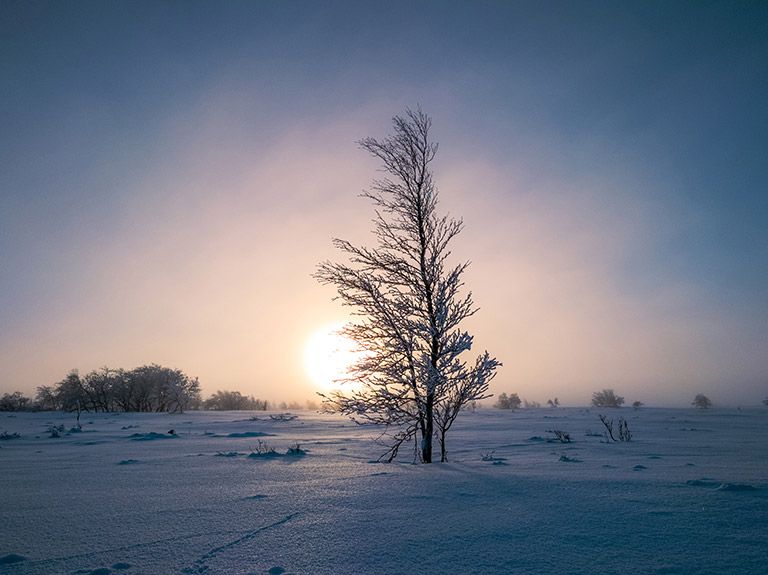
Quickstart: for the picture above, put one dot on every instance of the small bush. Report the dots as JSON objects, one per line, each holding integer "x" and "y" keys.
{"x": 283, "y": 417}
{"x": 562, "y": 436}
{"x": 638, "y": 405}
{"x": 263, "y": 448}
{"x": 5, "y": 436}
{"x": 623, "y": 431}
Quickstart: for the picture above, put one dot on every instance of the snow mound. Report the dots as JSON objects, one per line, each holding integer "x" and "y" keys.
{"x": 701, "y": 483}
{"x": 250, "y": 434}
{"x": 736, "y": 487}
{"x": 11, "y": 559}
{"x": 151, "y": 436}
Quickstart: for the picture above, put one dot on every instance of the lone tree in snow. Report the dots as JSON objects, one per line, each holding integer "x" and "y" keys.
{"x": 701, "y": 401}
{"x": 410, "y": 374}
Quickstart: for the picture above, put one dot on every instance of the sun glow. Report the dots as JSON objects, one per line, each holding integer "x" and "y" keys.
{"x": 328, "y": 357}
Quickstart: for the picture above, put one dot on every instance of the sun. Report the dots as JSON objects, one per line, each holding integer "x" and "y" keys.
{"x": 329, "y": 355}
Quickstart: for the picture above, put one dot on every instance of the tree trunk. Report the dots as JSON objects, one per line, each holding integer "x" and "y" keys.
{"x": 443, "y": 452}
{"x": 426, "y": 440}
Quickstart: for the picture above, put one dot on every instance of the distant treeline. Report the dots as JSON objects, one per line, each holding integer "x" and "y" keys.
{"x": 234, "y": 401}
{"x": 143, "y": 389}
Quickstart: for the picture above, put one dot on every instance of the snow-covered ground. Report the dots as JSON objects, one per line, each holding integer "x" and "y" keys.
{"x": 688, "y": 495}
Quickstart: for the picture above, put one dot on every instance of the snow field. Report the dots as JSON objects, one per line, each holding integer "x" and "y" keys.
{"x": 687, "y": 495}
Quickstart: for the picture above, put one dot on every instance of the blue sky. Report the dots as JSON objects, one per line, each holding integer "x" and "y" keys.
{"x": 171, "y": 173}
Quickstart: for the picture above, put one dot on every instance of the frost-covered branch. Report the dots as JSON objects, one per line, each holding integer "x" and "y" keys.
{"x": 410, "y": 377}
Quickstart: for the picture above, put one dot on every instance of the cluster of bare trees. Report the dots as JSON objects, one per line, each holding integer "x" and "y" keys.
{"x": 606, "y": 398}
{"x": 145, "y": 388}
{"x": 15, "y": 401}
{"x": 511, "y": 401}
{"x": 234, "y": 401}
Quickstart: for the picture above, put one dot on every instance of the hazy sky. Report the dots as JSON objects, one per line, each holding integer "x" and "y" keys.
{"x": 172, "y": 172}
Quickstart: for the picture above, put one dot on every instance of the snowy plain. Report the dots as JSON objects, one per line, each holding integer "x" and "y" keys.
{"x": 687, "y": 495}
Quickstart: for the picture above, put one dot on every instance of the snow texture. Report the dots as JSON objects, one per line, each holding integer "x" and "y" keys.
{"x": 688, "y": 495}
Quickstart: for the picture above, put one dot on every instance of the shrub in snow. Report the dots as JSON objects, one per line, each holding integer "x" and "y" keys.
{"x": 504, "y": 401}
{"x": 5, "y": 436}
{"x": 283, "y": 417}
{"x": 530, "y": 404}
{"x": 624, "y": 433}
{"x": 623, "y": 430}
{"x": 565, "y": 459}
{"x": 262, "y": 448}
{"x": 701, "y": 401}
{"x": 638, "y": 405}
{"x": 606, "y": 398}
{"x": 553, "y": 402}
{"x": 562, "y": 436}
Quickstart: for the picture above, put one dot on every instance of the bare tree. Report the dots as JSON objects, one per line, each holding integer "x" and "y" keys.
{"x": 701, "y": 401}
{"x": 553, "y": 402}
{"x": 411, "y": 377}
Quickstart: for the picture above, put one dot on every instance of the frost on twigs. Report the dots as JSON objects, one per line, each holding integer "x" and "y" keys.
{"x": 623, "y": 429}
{"x": 407, "y": 301}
